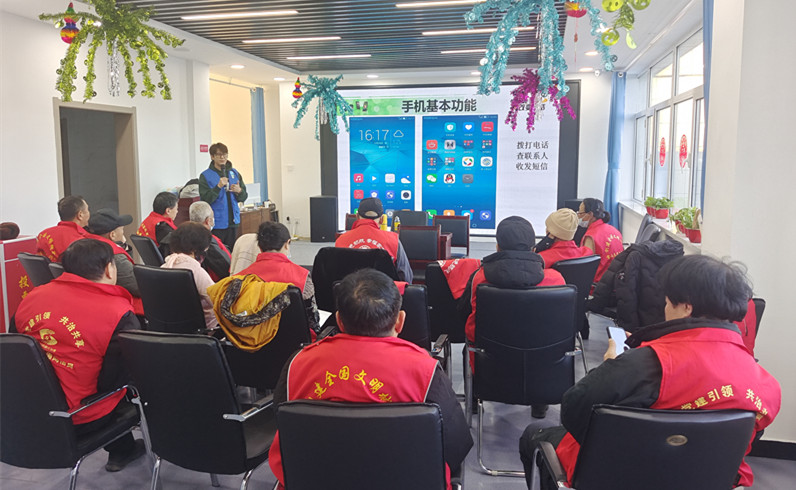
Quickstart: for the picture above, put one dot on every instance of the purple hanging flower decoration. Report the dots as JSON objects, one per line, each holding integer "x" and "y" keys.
{"x": 526, "y": 94}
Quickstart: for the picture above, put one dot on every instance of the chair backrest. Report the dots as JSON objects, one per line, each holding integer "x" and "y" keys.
{"x": 580, "y": 273}
{"x": 147, "y": 250}
{"x": 261, "y": 369}
{"x": 349, "y": 220}
{"x": 56, "y": 269}
{"x": 443, "y": 314}
{"x": 646, "y": 222}
{"x": 333, "y": 264}
{"x": 386, "y": 446}
{"x": 411, "y": 218}
{"x": 29, "y": 390}
{"x": 523, "y": 337}
{"x": 662, "y": 449}
{"x": 36, "y": 267}
{"x": 186, "y": 388}
{"x": 420, "y": 242}
{"x": 416, "y": 326}
{"x": 458, "y": 226}
{"x": 171, "y": 301}
{"x": 760, "y": 307}
{"x": 650, "y": 233}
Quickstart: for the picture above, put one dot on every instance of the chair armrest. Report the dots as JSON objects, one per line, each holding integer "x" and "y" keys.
{"x": 87, "y": 402}
{"x": 328, "y": 332}
{"x": 442, "y": 343}
{"x": 259, "y": 406}
{"x": 552, "y": 463}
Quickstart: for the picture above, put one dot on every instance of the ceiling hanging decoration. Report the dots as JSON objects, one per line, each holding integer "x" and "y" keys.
{"x": 517, "y": 13}
{"x": 297, "y": 90}
{"x": 123, "y": 29}
{"x": 70, "y": 29}
{"x": 330, "y": 103}
{"x": 529, "y": 93}
{"x": 624, "y": 20}
{"x": 574, "y": 10}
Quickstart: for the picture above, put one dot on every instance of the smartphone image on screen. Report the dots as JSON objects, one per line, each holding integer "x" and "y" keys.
{"x": 382, "y": 160}
{"x": 459, "y": 160}
{"x": 619, "y": 336}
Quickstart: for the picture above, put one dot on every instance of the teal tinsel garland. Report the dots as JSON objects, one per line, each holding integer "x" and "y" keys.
{"x": 330, "y": 103}
{"x": 518, "y": 13}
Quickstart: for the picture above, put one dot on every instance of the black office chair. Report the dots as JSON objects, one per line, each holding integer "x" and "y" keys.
{"x": 35, "y": 419}
{"x": 391, "y": 446}
{"x": 459, "y": 228}
{"x": 523, "y": 351}
{"x": 36, "y": 267}
{"x": 349, "y": 220}
{"x": 192, "y": 415}
{"x": 171, "y": 301}
{"x": 333, "y": 264}
{"x": 411, "y": 218}
{"x": 760, "y": 307}
{"x": 261, "y": 369}
{"x": 421, "y": 244}
{"x": 445, "y": 317}
{"x": 657, "y": 449}
{"x": 147, "y": 250}
{"x": 580, "y": 273}
{"x": 56, "y": 269}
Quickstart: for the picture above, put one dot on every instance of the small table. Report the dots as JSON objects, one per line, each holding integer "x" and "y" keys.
{"x": 250, "y": 219}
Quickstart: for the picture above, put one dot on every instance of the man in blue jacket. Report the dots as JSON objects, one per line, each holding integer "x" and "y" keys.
{"x": 222, "y": 187}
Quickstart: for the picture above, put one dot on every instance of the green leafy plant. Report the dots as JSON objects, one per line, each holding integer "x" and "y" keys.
{"x": 121, "y": 28}
{"x": 658, "y": 202}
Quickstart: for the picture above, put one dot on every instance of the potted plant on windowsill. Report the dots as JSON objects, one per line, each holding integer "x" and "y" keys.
{"x": 693, "y": 230}
{"x": 658, "y": 207}
{"x": 682, "y": 215}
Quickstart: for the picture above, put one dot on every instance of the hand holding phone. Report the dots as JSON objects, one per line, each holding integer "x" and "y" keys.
{"x": 619, "y": 336}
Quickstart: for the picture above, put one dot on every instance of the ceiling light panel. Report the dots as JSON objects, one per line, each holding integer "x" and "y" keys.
{"x": 455, "y": 32}
{"x": 240, "y": 15}
{"x": 291, "y": 40}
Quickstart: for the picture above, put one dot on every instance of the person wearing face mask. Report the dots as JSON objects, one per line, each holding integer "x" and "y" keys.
{"x": 601, "y": 238}
{"x": 561, "y": 227}
{"x": 273, "y": 264}
{"x": 189, "y": 244}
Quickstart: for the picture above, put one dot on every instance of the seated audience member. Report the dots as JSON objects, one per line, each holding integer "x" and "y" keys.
{"x": 107, "y": 226}
{"x": 674, "y": 365}
{"x": 244, "y": 253}
{"x": 365, "y": 233}
{"x": 631, "y": 284}
{"x": 370, "y": 317}
{"x": 512, "y": 266}
{"x": 273, "y": 265}
{"x": 561, "y": 227}
{"x": 9, "y": 230}
{"x": 160, "y": 221}
{"x": 74, "y": 214}
{"x": 216, "y": 262}
{"x": 75, "y": 318}
{"x": 189, "y": 244}
{"x": 601, "y": 238}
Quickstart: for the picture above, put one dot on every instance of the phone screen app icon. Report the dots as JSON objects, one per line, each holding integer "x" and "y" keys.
{"x": 432, "y": 160}
{"x": 450, "y": 127}
{"x": 485, "y": 215}
{"x": 450, "y": 161}
{"x": 359, "y": 178}
{"x": 467, "y": 144}
{"x": 406, "y": 195}
{"x": 450, "y": 178}
{"x": 468, "y": 161}
{"x": 431, "y": 212}
{"x": 450, "y": 144}
{"x": 359, "y": 194}
{"x": 468, "y": 126}
{"x": 449, "y": 212}
{"x": 486, "y": 144}
{"x": 467, "y": 178}
{"x": 487, "y": 126}
{"x": 431, "y": 178}
{"x": 486, "y": 161}
{"x": 431, "y": 144}
{"x": 389, "y": 178}
{"x": 389, "y": 195}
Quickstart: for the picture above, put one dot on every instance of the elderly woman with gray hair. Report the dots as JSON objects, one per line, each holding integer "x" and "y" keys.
{"x": 217, "y": 259}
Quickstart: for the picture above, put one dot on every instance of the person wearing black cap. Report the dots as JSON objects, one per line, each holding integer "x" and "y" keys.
{"x": 106, "y": 225}
{"x": 514, "y": 265}
{"x": 365, "y": 233}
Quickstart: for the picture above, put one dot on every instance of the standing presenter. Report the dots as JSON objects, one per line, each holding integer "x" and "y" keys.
{"x": 222, "y": 187}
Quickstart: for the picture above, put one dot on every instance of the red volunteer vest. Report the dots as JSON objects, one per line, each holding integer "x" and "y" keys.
{"x": 276, "y": 267}
{"x": 551, "y": 278}
{"x": 607, "y": 243}
{"x": 365, "y": 233}
{"x": 222, "y": 247}
{"x": 729, "y": 378}
{"x": 52, "y": 242}
{"x": 73, "y": 319}
{"x": 147, "y": 227}
{"x": 563, "y": 250}
{"x": 457, "y": 273}
{"x": 359, "y": 369}
{"x": 748, "y": 327}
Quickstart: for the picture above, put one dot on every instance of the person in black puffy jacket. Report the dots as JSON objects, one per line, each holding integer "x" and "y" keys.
{"x": 631, "y": 284}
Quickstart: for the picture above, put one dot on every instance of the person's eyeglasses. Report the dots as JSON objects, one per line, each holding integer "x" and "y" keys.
{"x": 581, "y": 212}
{"x": 222, "y": 155}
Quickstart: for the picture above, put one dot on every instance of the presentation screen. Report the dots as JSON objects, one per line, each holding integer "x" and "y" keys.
{"x": 445, "y": 150}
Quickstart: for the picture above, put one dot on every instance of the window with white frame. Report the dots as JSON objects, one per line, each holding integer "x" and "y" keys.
{"x": 670, "y": 130}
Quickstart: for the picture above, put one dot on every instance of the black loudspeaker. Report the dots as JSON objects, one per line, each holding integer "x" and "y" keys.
{"x": 323, "y": 218}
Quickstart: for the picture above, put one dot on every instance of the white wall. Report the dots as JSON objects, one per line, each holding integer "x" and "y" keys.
{"x": 231, "y": 124}
{"x": 595, "y": 105}
{"x": 750, "y": 175}
{"x": 31, "y": 51}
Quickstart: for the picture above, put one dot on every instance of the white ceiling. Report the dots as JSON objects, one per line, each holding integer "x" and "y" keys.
{"x": 657, "y": 28}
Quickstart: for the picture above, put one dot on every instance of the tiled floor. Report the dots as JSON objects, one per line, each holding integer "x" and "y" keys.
{"x": 503, "y": 426}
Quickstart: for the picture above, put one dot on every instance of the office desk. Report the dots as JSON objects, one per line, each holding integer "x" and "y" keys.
{"x": 250, "y": 219}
